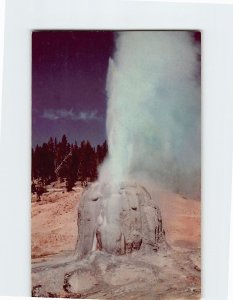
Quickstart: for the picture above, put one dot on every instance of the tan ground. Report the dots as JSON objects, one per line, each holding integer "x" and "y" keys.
{"x": 54, "y": 221}
{"x": 182, "y": 219}
{"x": 171, "y": 275}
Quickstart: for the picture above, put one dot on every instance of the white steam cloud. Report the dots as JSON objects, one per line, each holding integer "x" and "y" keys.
{"x": 154, "y": 110}
{"x": 56, "y": 114}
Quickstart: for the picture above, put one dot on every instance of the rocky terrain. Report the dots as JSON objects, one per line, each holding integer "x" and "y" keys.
{"x": 119, "y": 219}
{"x": 171, "y": 273}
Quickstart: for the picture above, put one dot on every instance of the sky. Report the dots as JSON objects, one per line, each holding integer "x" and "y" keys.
{"x": 69, "y": 70}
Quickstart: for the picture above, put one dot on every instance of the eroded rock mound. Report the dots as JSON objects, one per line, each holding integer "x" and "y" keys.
{"x": 118, "y": 219}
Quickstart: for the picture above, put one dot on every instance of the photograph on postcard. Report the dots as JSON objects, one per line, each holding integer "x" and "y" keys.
{"x": 116, "y": 164}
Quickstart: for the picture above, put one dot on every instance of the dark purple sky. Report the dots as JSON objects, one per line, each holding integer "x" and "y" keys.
{"x": 68, "y": 84}
{"x": 69, "y": 71}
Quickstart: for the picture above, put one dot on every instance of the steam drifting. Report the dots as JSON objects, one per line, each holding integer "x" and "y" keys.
{"x": 154, "y": 110}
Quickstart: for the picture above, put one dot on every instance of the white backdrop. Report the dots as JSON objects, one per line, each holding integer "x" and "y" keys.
{"x": 216, "y": 23}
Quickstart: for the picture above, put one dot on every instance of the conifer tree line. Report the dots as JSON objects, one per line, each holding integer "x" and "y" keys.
{"x": 81, "y": 161}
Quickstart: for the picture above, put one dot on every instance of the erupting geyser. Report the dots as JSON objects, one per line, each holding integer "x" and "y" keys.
{"x": 153, "y": 131}
{"x": 118, "y": 219}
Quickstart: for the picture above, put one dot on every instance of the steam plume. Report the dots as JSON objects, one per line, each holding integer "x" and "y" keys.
{"x": 154, "y": 110}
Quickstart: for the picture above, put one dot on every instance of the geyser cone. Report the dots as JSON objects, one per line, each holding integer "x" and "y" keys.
{"x": 118, "y": 219}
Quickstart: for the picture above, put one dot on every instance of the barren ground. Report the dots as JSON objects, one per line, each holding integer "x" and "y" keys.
{"x": 174, "y": 274}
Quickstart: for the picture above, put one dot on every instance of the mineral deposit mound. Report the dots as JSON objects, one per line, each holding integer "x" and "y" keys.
{"x": 118, "y": 219}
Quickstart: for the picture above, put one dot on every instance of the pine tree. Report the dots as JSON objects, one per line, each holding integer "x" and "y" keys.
{"x": 72, "y": 174}
{"x": 80, "y": 165}
{"x": 63, "y": 149}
